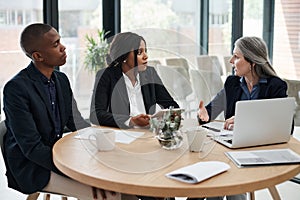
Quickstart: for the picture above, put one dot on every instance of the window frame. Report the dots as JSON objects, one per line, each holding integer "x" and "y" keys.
{"x": 112, "y": 20}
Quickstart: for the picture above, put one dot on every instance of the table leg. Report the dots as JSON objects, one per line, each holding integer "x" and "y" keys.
{"x": 46, "y": 196}
{"x": 33, "y": 196}
{"x": 274, "y": 193}
{"x": 252, "y": 195}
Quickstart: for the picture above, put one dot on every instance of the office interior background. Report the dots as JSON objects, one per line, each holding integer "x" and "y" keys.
{"x": 172, "y": 28}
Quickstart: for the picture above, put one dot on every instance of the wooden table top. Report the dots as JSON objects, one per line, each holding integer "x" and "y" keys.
{"x": 140, "y": 167}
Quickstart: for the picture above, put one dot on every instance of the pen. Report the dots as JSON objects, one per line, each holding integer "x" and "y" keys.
{"x": 210, "y": 128}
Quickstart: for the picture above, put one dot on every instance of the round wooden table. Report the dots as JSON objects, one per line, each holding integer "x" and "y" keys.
{"x": 140, "y": 167}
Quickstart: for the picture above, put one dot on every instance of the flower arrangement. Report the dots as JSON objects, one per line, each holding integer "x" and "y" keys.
{"x": 172, "y": 121}
{"x": 167, "y": 127}
{"x": 96, "y": 52}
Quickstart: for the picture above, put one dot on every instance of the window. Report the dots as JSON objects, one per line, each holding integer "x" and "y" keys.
{"x": 219, "y": 28}
{"x": 3, "y": 17}
{"x": 286, "y": 53}
{"x": 12, "y": 21}
{"x": 170, "y": 27}
{"x": 253, "y": 18}
{"x": 219, "y": 39}
{"x": 78, "y": 18}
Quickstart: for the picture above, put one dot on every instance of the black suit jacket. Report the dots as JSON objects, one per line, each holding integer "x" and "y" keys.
{"x": 110, "y": 103}
{"x": 30, "y": 127}
{"x": 226, "y": 99}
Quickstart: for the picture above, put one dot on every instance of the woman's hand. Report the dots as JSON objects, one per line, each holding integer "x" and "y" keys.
{"x": 202, "y": 112}
{"x": 140, "y": 120}
{"x": 229, "y": 123}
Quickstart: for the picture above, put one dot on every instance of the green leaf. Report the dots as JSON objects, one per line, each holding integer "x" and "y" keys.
{"x": 97, "y": 49}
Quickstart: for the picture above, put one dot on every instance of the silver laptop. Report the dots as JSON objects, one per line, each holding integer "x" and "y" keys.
{"x": 259, "y": 122}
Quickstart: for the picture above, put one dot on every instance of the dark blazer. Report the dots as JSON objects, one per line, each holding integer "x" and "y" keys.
{"x": 30, "y": 128}
{"x": 110, "y": 103}
{"x": 226, "y": 99}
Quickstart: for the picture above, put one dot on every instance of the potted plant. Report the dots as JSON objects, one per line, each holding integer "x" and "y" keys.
{"x": 97, "y": 48}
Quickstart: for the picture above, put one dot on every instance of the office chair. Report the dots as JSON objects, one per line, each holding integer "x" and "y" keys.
{"x": 179, "y": 62}
{"x": 200, "y": 87}
{"x": 177, "y": 84}
{"x": 294, "y": 91}
{"x": 33, "y": 196}
{"x": 154, "y": 63}
{"x": 228, "y": 66}
{"x": 210, "y": 64}
{"x": 296, "y": 179}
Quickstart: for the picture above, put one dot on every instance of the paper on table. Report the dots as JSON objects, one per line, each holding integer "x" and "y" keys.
{"x": 216, "y": 128}
{"x": 122, "y": 136}
{"x": 198, "y": 172}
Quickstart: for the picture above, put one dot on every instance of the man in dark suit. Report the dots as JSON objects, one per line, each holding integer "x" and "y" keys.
{"x": 39, "y": 105}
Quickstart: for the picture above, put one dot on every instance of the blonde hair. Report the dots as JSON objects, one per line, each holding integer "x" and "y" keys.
{"x": 254, "y": 50}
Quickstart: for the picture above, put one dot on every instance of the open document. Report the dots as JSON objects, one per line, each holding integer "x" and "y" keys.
{"x": 264, "y": 157}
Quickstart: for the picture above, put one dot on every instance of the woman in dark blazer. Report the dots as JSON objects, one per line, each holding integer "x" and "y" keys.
{"x": 271, "y": 87}
{"x": 254, "y": 78}
{"x": 128, "y": 91}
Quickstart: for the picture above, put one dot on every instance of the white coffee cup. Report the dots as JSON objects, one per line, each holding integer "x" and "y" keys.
{"x": 105, "y": 139}
{"x": 196, "y": 137}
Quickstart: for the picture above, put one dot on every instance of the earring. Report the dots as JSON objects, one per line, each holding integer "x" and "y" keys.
{"x": 124, "y": 61}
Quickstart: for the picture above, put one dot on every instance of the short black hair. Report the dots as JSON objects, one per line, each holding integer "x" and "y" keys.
{"x": 31, "y": 35}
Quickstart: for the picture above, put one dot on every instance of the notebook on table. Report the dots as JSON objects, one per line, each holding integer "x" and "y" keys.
{"x": 259, "y": 122}
{"x": 263, "y": 157}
